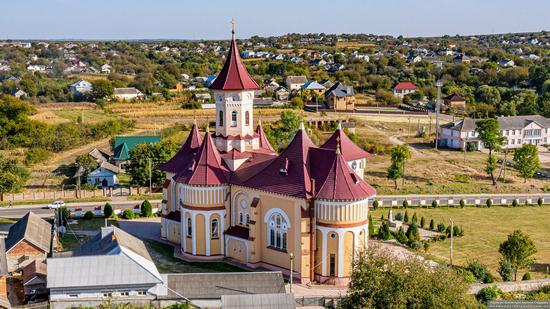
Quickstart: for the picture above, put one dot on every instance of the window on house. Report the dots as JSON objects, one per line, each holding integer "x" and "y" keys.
{"x": 220, "y": 118}
{"x": 278, "y": 232}
{"x": 247, "y": 118}
{"x": 215, "y": 229}
{"x": 234, "y": 118}
{"x": 189, "y": 228}
{"x": 142, "y": 293}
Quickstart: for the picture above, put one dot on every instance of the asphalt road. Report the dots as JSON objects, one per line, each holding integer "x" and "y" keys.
{"x": 19, "y": 211}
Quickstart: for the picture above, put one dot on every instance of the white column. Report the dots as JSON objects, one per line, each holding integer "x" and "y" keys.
{"x": 194, "y": 232}
{"x": 207, "y": 232}
{"x": 183, "y": 230}
{"x": 324, "y": 252}
{"x": 222, "y": 233}
{"x": 340, "y": 254}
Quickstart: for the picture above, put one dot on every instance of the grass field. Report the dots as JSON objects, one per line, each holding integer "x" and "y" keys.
{"x": 484, "y": 230}
{"x": 163, "y": 255}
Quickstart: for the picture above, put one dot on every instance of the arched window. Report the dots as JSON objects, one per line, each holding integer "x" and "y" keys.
{"x": 240, "y": 218}
{"x": 220, "y": 118}
{"x": 215, "y": 229}
{"x": 189, "y": 228}
{"x": 234, "y": 118}
{"x": 247, "y": 118}
{"x": 247, "y": 219}
{"x": 278, "y": 231}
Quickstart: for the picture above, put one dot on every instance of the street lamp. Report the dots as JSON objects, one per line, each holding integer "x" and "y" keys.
{"x": 291, "y": 270}
{"x": 437, "y": 107}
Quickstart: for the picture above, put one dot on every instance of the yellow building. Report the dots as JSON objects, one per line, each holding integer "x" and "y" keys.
{"x": 228, "y": 195}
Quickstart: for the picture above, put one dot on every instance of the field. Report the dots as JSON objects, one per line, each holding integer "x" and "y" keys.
{"x": 484, "y": 230}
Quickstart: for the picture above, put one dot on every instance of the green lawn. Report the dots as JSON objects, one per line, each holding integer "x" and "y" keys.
{"x": 69, "y": 241}
{"x": 163, "y": 255}
{"x": 484, "y": 230}
{"x": 88, "y": 116}
{"x": 92, "y": 224}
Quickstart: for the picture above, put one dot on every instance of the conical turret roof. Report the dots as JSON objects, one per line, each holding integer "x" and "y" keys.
{"x": 185, "y": 155}
{"x": 349, "y": 150}
{"x": 234, "y": 75}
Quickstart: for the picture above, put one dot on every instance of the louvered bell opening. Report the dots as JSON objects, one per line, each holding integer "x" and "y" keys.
{"x": 355, "y": 178}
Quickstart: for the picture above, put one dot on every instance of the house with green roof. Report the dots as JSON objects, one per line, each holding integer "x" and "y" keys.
{"x": 124, "y": 144}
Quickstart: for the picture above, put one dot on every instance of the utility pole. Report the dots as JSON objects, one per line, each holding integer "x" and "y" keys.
{"x": 451, "y": 250}
{"x": 291, "y": 270}
{"x": 438, "y": 84}
{"x": 150, "y": 176}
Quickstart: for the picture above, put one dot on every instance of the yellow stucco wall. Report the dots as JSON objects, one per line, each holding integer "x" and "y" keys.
{"x": 200, "y": 235}
{"x": 348, "y": 253}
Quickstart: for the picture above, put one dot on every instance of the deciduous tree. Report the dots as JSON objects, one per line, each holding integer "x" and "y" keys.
{"x": 518, "y": 250}
{"x": 526, "y": 159}
{"x": 492, "y": 138}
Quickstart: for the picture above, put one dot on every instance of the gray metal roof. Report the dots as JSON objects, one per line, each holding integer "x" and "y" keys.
{"x": 339, "y": 90}
{"x": 271, "y": 301}
{"x": 33, "y": 229}
{"x": 505, "y": 123}
{"x": 121, "y": 269}
{"x": 214, "y": 285}
{"x": 108, "y": 239}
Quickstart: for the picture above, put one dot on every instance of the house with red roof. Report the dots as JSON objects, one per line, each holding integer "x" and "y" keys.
{"x": 401, "y": 89}
{"x": 229, "y": 195}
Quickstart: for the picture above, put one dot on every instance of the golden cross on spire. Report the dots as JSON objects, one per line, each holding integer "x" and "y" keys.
{"x": 233, "y": 25}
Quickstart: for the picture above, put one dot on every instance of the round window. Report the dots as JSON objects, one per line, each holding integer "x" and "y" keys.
{"x": 244, "y": 204}
{"x": 354, "y": 165}
{"x": 333, "y": 235}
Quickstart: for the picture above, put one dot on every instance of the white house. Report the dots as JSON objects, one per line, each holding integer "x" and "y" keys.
{"x": 517, "y": 130}
{"x": 127, "y": 94}
{"x": 403, "y": 88}
{"x": 104, "y": 176}
{"x": 81, "y": 87}
{"x": 106, "y": 69}
{"x": 295, "y": 82}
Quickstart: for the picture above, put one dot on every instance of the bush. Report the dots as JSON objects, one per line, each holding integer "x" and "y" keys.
{"x": 89, "y": 215}
{"x": 489, "y": 203}
{"x": 432, "y": 225}
{"x": 375, "y": 204}
{"x": 469, "y": 277}
{"x": 539, "y": 201}
{"x": 107, "y": 210}
{"x": 422, "y": 222}
{"x": 526, "y": 276}
{"x": 401, "y": 237}
{"x": 462, "y": 203}
{"x": 406, "y": 217}
{"x": 128, "y": 214}
{"x": 506, "y": 270}
{"x": 415, "y": 245}
{"x": 405, "y": 204}
{"x": 146, "y": 209}
{"x": 488, "y": 293}
{"x": 515, "y": 203}
{"x": 371, "y": 226}
{"x": 480, "y": 271}
{"x": 412, "y": 233}
{"x": 434, "y": 204}
{"x": 384, "y": 231}
{"x": 36, "y": 155}
{"x": 441, "y": 227}
{"x": 414, "y": 218}
{"x": 399, "y": 216}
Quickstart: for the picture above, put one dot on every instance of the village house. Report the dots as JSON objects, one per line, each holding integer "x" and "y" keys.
{"x": 340, "y": 97}
{"x": 313, "y": 87}
{"x": 403, "y": 88}
{"x": 29, "y": 239}
{"x": 113, "y": 265}
{"x": 229, "y": 195}
{"x": 104, "y": 176}
{"x": 517, "y": 130}
{"x": 125, "y": 144}
{"x": 106, "y": 69}
{"x": 127, "y": 94}
{"x": 295, "y": 82}
{"x": 81, "y": 87}
{"x": 282, "y": 94}
{"x": 20, "y": 94}
{"x": 455, "y": 102}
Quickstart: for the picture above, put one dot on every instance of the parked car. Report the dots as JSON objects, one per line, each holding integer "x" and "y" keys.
{"x": 56, "y": 205}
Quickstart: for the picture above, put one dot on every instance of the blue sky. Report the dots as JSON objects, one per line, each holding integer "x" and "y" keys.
{"x": 210, "y": 19}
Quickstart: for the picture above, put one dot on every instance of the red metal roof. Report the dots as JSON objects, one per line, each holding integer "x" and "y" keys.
{"x": 207, "y": 168}
{"x": 288, "y": 173}
{"x": 405, "y": 85}
{"x": 264, "y": 142}
{"x": 185, "y": 155}
{"x": 349, "y": 150}
{"x": 335, "y": 179}
{"x": 234, "y": 75}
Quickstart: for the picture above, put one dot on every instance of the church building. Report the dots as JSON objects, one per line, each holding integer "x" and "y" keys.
{"x": 229, "y": 196}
